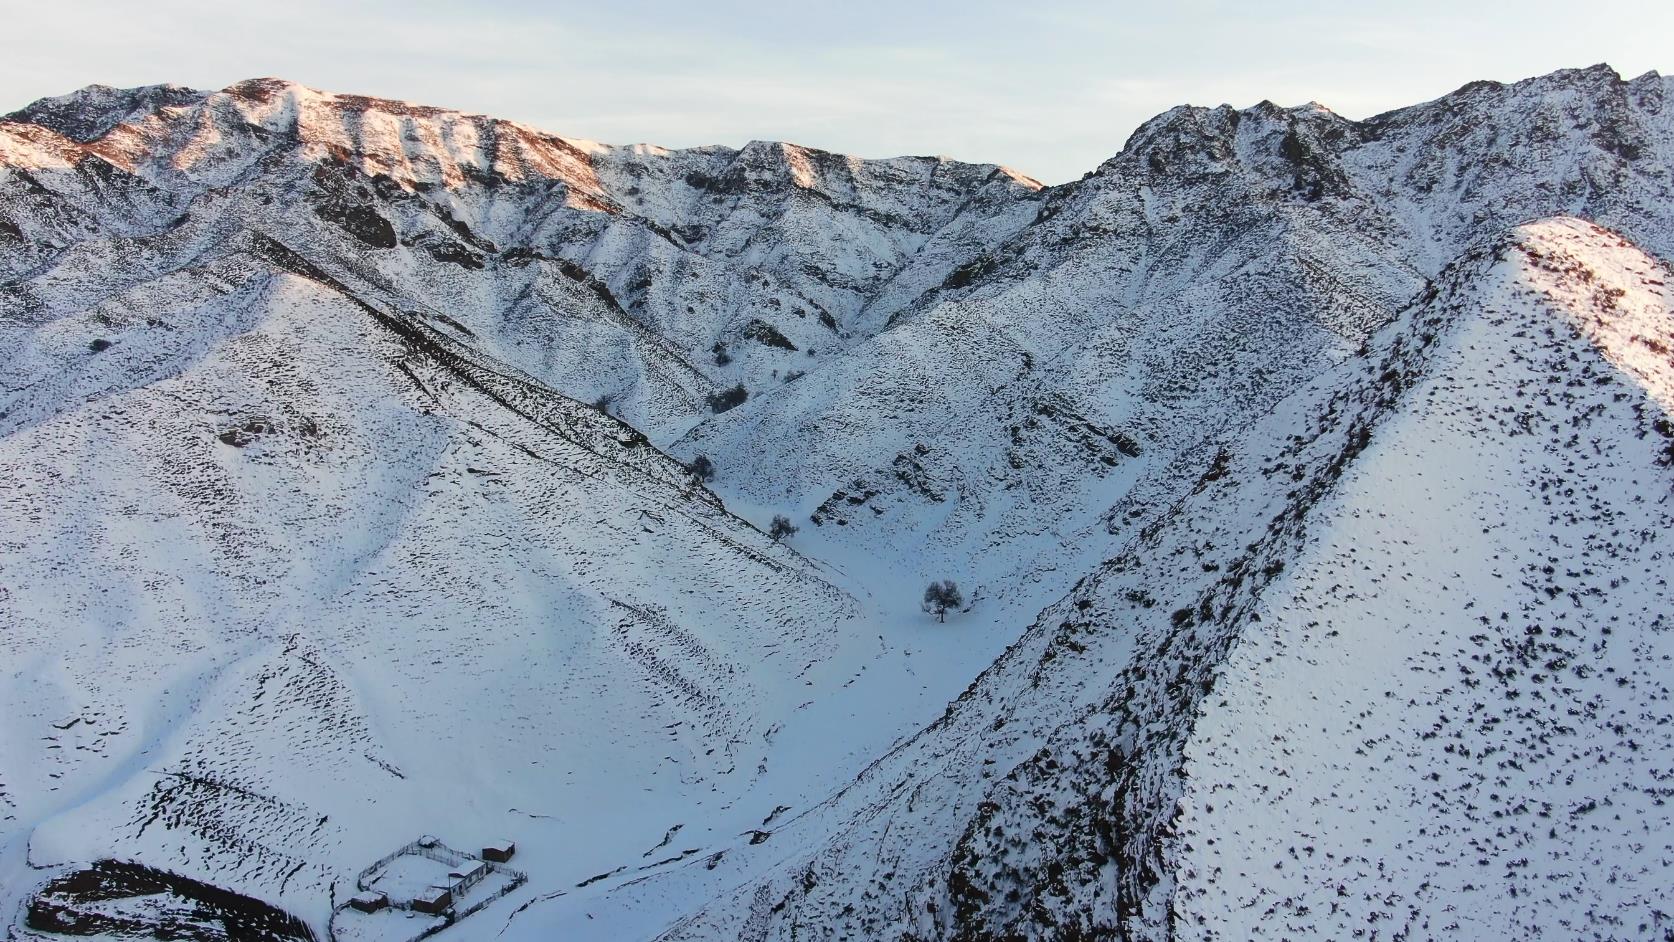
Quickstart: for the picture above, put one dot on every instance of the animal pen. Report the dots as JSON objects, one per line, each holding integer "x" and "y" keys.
{"x": 425, "y": 878}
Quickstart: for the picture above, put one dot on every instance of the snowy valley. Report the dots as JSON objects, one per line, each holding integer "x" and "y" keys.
{"x": 1309, "y": 481}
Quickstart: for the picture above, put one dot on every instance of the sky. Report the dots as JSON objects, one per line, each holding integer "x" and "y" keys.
{"x": 1050, "y": 87}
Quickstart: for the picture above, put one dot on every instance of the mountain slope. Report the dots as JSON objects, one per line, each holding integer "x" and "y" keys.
{"x": 1300, "y": 703}
{"x": 311, "y": 552}
{"x": 283, "y": 560}
{"x": 1221, "y": 260}
{"x": 344, "y": 447}
{"x": 1485, "y": 705}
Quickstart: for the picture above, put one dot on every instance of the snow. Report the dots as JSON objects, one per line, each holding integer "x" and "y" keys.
{"x": 314, "y": 540}
{"x": 1439, "y": 727}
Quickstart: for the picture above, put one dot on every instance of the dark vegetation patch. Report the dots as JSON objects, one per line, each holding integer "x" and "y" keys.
{"x": 836, "y": 507}
{"x": 462, "y": 230}
{"x": 764, "y": 333}
{"x": 246, "y": 432}
{"x": 359, "y": 220}
{"x": 346, "y": 202}
{"x": 690, "y": 234}
{"x": 727, "y": 398}
{"x": 1614, "y": 139}
{"x": 454, "y": 254}
{"x": 967, "y": 273}
{"x": 1313, "y": 175}
{"x": 89, "y": 902}
{"x": 910, "y": 471}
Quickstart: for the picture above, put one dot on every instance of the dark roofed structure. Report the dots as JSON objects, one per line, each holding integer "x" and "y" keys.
{"x": 369, "y": 902}
{"x": 434, "y": 900}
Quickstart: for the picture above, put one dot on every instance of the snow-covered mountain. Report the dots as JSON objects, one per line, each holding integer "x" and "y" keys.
{"x": 1308, "y": 479}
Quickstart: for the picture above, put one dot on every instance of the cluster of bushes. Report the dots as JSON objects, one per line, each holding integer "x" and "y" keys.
{"x": 766, "y": 334}
{"x": 727, "y": 398}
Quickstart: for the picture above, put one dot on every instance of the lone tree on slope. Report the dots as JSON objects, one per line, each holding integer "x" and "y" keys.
{"x": 781, "y": 527}
{"x": 702, "y": 467}
{"x": 941, "y": 596}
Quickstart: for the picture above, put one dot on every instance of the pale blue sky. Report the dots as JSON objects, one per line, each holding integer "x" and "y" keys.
{"x": 1051, "y": 87}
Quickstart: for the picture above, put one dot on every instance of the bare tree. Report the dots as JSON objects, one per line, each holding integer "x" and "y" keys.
{"x": 781, "y": 527}
{"x": 941, "y": 596}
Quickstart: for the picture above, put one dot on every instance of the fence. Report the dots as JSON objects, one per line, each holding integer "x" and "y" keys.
{"x": 433, "y": 849}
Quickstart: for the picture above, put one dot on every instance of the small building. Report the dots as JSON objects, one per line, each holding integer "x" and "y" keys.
{"x": 499, "y": 851}
{"x": 434, "y": 900}
{"x": 369, "y": 902}
{"x": 468, "y": 872}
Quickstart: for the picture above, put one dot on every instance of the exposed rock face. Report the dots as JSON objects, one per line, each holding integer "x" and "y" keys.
{"x": 1342, "y": 484}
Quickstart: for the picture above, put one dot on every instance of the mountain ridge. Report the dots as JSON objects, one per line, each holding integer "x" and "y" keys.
{"x": 352, "y": 447}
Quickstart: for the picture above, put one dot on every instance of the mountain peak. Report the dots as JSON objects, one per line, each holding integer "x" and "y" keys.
{"x": 89, "y": 113}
